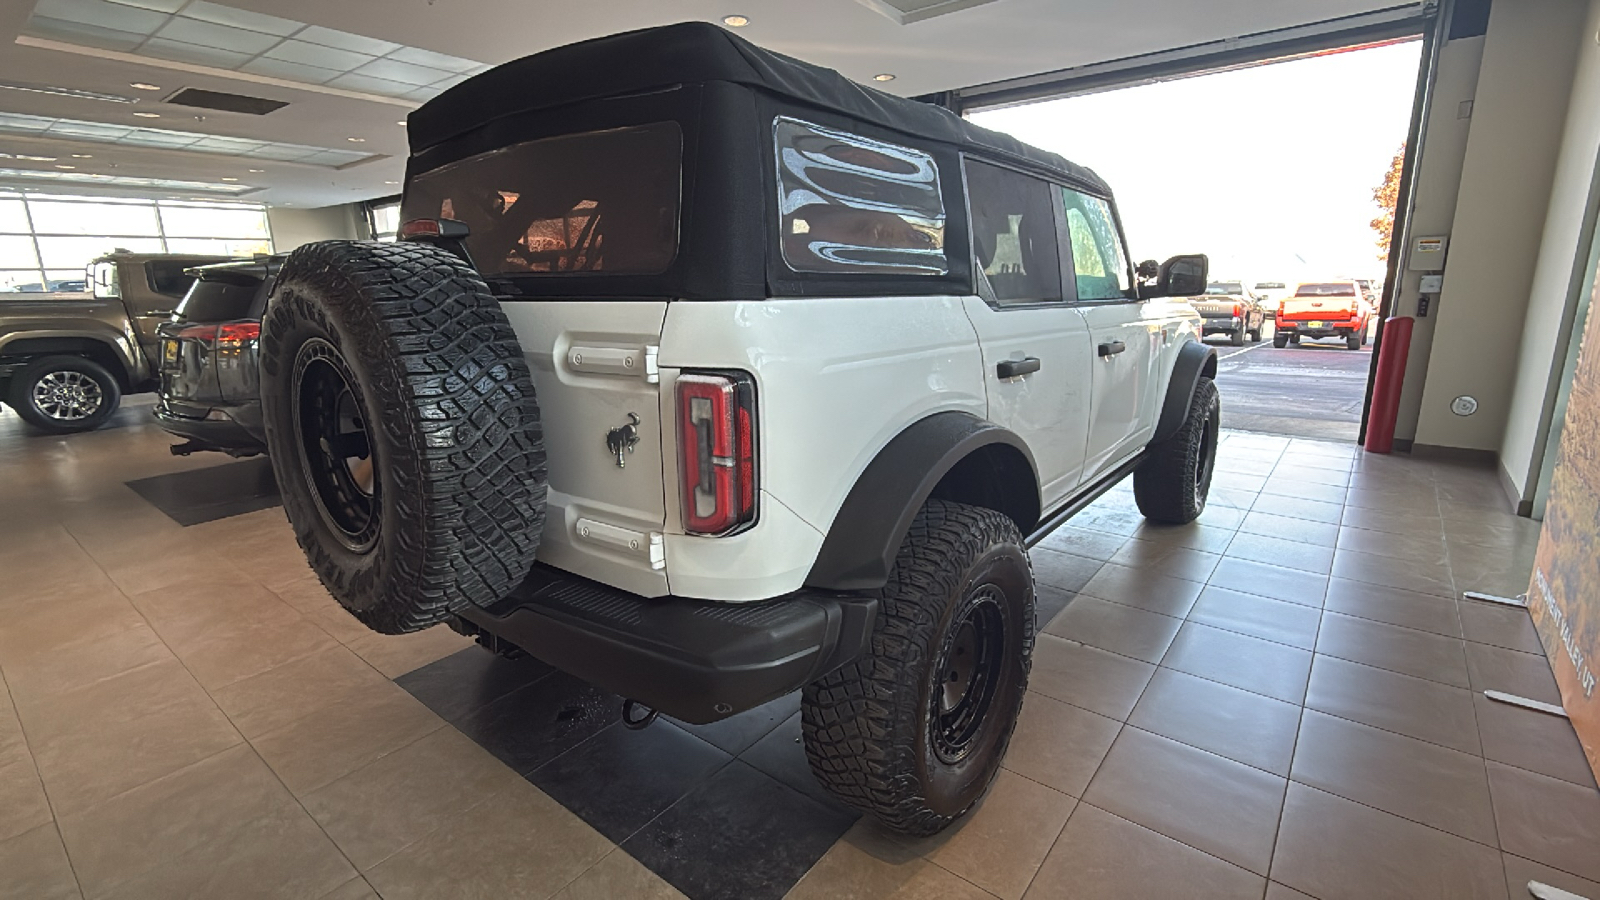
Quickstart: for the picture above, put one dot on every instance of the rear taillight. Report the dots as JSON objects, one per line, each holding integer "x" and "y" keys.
{"x": 230, "y": 336}
{"x": 237, "y": 334}
{"x": 717, "y": 451}
{"x": 1238, "y": 310}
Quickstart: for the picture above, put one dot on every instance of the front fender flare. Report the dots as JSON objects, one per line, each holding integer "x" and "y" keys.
{"x": 1194, "y": 360}
{"x": 873, "y": 520}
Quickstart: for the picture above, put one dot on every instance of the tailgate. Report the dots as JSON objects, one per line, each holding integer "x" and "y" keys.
{"x": 594, "y": 371}
{"x": 185, "y": 360}
{"x": 1213, "y": 308}
{"x": 1318, "y": 308}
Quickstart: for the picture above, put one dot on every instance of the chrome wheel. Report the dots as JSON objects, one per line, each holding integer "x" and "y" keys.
{"x": 67, "y": 396}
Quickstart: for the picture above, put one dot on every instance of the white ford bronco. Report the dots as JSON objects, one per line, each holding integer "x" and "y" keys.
{"x": 709, "y": 375}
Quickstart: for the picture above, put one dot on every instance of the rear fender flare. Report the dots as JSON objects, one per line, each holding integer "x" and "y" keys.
{"x": 1194, "y": 361}
{"x": 872, "y": 522}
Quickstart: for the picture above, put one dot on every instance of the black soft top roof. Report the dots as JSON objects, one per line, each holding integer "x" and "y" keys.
{"x": 691, "y": 52}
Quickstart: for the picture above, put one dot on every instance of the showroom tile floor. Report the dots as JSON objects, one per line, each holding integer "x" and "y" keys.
{"x": 1283, "y": 700}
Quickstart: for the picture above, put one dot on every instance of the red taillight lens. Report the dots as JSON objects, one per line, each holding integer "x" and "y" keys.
{"x": 206, "y": 333}
{"x": 420, "y": 228}
{"x": 717, "y": 451}
{"x": 1238, "y": 310}
{"x": 236, "y": 334}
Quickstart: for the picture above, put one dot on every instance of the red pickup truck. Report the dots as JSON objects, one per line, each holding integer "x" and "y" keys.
{"x": 1321, "y": 309}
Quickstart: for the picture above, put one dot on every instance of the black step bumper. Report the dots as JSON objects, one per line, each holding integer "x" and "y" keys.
{"x": 695, "y": 660}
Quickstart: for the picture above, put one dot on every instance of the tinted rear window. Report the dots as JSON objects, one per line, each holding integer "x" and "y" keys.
{"x": 1225, "y": 287}
{"x": 1326, "y": 290}
{"x": 600, "y": 202}
{"x": 218, "y": 301}
{"x": 166, "y": 275}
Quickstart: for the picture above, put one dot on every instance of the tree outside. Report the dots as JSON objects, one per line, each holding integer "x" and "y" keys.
{"x": 1386, "y": 195}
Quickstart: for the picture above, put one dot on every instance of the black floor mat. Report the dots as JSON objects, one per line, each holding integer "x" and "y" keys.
{"x": 205, "y": 495}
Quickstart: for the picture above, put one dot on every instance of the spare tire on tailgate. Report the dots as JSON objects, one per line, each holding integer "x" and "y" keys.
{"x": 403, "y": 430}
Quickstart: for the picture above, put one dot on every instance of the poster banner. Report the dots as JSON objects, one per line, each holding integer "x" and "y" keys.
{"x": 1564, "y": 596}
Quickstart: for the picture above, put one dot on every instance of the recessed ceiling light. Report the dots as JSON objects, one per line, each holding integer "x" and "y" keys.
{"x": 144, "y": 86}
{"x": 148, "y": 115}
{"x": 229, "y": 179}
{"x": 883, "y": 77}
{"x": 82, "y": 156}
{"x": 391, "y": 182}
{"x": 735, "y": 21}
{"x": 356, "y": 140}
{"x": 60, "y": 166}
{"x": 401, "y": 123}
{"x": 35, "y": 158}
{"x": 255, "y": 171}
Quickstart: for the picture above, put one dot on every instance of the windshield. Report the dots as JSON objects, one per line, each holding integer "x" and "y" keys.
{"x": 600, "y": 202}
{"x": 1330, "y": 289}
{"x": 1225, "y": 287}
{"x": 1270, "y": 286}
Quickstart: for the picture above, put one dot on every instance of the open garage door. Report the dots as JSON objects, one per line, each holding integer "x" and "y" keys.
{"x": 1264, "y": 151}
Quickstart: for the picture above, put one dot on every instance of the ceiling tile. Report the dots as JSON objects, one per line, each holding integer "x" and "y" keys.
{"x": 153, "y": 138}
{"x": 165, "y": 6}
{"x": 224, "y": 37}
{"x": 19, "y": 122}
{"x": 371, "y": 85}
{"x": 433, "y": 60}
{"x": 344, "y": 40}
{"x": 241, "y": 18}
{"x": 226, "y": 145}
{"x": 105, "y": 15}
{"x": 78, "y": 33}
{"x": 297, "y": 51}
{"x": 206, "y": 56}
{"x": 283, "y": 152}
{"x": 277, "y": 68}
{"x": 89, "y": 130}
{"x": 406, "y": 73}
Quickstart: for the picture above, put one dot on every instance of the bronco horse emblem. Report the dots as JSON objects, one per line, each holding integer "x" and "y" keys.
{"x": 623, "y": 439}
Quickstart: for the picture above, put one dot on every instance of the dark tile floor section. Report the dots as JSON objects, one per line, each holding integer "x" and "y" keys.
{"x": 726, "y": 811}
{"x": 217, "y": 492}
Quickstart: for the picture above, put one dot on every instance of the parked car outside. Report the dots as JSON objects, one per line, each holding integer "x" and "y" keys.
{"x": 1323, "y": 309}
{"x": 1270, "y": 293}
{"x": 210, "y": 392}
{"x": 603, "y": 403}
{"x": 66, "y": 359}
{"x": 1230, "y": 308}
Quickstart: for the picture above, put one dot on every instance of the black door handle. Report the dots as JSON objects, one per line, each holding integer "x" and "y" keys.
{"x": 1112, "y": 348}
{"x": 1016, "y": 368}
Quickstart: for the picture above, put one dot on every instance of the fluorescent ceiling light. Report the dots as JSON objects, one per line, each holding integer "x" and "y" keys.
{"x": 144, "y": 86}
{"x": 145, "y": 115}
{"x": 225, "y": 37}
{"x": 883, "y": 77}
{"x": 73, "y": 93}
{"x": 735, "y": 21}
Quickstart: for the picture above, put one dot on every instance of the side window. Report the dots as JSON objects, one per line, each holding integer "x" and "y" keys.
{"x": 1014, "y": 234}
{"x": 853, "y": 205}
{"x": 1099, "y": 263}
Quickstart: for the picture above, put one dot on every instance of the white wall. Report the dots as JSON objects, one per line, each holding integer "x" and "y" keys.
{"x": 1438, "y": 181}
{"x": 293, "y": 227}
{"x": 1520, "y": 110}
{"x": 1558, "y": 271}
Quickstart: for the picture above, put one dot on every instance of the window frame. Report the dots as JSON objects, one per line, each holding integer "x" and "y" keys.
{"x": 980, "y": 281}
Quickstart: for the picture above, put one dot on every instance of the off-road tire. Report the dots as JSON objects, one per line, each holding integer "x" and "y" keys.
{"x": 1280, "y": 340}
{"x": 456, "y": 463}
{"x": 1353, "y": 341}
{"x": 1236, "y": 338}
{"x": 1172, "y": 484}
{"x": 870, "y": 727}
{"x": 22, "y": 399}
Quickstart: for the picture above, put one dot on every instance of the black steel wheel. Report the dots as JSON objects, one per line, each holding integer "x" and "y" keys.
{"x": 1172, "y": 484}
{"x": 403, "y": 431}
{"x": 914, "y": 731}
{"x": 64, "y": 394}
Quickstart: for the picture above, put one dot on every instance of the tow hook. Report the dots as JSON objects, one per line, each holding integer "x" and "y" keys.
{"x": 631, "y": 717}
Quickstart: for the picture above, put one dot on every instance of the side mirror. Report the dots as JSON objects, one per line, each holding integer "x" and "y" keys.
{"x": 1180, "y": 276}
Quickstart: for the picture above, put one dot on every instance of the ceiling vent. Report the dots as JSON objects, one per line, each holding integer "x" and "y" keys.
{"x": 255, "y": 106}
{"x": 904, "y": 12}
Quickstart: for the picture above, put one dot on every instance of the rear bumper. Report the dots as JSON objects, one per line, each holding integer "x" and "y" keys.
{"x": 1328, "y": 329}
{"x": 695, "y": 660}
{"x": 1220, "y": 324}
{"x": 220, "y": 428}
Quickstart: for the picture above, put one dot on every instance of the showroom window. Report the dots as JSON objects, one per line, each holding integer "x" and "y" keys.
{"x": 384, "y": 220}
{"x": 46, "y": 240}
{"x": 854, "y": 205}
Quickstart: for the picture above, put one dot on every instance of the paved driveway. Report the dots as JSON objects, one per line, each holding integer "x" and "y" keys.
{"x": 1314, "y": 390}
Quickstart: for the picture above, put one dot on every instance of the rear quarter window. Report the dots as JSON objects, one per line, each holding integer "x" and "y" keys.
{"x": 852, "y": 205}
{"x": 218, "y": 301}
{"x": 166, "y": 276}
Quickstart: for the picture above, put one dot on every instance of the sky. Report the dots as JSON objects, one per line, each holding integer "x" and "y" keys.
{"x": 1269, "y": 170}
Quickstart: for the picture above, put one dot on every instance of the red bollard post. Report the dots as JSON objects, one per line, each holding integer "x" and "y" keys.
{"x": 1386, "y": 383}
